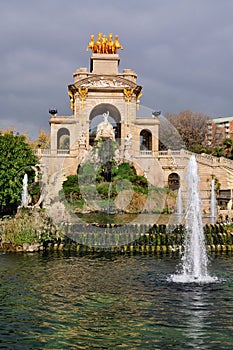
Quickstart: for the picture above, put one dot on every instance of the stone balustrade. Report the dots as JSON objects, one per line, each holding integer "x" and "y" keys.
{"x": 203, "y": 157}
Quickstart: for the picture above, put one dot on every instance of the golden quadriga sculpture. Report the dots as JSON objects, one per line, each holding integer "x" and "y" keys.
{"x": 104, "y": 44}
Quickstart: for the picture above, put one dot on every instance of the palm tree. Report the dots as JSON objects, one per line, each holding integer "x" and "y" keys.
{"x": 217, "y": 152}
{"x": 228, "y": 148}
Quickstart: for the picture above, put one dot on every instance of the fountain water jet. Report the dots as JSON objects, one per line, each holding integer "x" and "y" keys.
{"x": 194, "y": 260}
{"x": 24, "y": 197}
{"x": 179, "y": 203}
{"x": 213, "y": 209}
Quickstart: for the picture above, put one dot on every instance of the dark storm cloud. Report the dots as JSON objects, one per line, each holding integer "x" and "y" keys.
{"x": 181, "y": 50}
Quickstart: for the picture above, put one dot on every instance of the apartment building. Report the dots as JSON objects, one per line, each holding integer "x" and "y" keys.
{"x": 218, "y": 129}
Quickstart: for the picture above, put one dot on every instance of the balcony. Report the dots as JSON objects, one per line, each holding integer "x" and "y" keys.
{"x": 63, "y": 151}
{"x": 145, "y": 153}
{"x": 47, "y": 152}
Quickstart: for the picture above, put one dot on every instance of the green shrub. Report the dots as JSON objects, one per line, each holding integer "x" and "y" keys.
{"x": 89, "y": 184}
{"x": 104, "y": 190}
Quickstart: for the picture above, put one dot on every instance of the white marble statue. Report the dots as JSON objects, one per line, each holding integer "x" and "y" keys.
{"x": 128, "y": 140}
{"x": 105, "y": 129}
{"x": 82, "y": 139}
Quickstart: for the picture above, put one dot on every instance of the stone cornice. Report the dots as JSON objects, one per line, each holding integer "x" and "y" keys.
{"x": 62, "y": 120}
{"x": 147, "y": 121}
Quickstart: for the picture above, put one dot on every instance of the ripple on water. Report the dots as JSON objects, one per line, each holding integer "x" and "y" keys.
{"x": 113, "y": 302}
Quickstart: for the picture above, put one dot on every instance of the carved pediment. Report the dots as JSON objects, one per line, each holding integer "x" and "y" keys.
{"x": 105, "y": 82}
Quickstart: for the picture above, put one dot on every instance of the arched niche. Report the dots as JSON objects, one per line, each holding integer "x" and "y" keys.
{"x": 174, "y": 181}
{"x": 96, "y": 117}
{"x": 145, "y": 140}
{"x": 63, "y": 140}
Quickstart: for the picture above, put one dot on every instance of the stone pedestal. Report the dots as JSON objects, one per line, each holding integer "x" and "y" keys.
{"x": 104, "y": 63}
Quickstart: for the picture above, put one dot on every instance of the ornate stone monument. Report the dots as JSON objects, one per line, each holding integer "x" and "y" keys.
{"x": 102, "y": 92}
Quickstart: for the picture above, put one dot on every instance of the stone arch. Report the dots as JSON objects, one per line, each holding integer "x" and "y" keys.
{"x": 63, "y": 140}
{"x": 96, "y": 117}
{"x": 145, "y": 140}
{"x": 174, "y": 181}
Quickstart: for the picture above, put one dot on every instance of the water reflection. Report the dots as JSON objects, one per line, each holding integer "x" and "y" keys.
{"x": 195, "y": 315}
{"x": 62, "y": 301}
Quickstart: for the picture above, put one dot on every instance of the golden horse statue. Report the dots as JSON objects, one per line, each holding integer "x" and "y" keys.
{"x": 117, "y": 43}
{"x": 91, "y": 43}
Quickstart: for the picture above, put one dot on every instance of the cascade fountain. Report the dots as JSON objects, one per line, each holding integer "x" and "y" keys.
{"x": 194, "y": 260}
{"x": 213, "y": 209}
{"x": 24, "y": 196}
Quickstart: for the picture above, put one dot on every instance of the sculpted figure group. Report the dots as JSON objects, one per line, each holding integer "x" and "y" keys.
{"x": 104, "y": 44}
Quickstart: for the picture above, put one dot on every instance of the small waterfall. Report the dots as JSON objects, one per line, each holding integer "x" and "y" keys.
{"x": 24, "y": 196}
{"x": 194, "y": 260}
{"x": 213, "y": 208}
{"x": 109, "y": 196}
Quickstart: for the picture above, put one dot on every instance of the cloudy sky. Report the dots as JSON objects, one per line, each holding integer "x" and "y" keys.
{"x": 182, "y": 51}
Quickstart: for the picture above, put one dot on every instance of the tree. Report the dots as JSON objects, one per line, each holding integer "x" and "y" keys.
{"x": 16, "y": 157}
{"x": 228, "y": 148}
{"x": 217, "y": 152}
{"x": 42, "y": 141}
{"x": 191, "y": 126}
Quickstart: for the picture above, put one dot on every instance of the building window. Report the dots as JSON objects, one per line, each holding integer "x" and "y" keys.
{"x": 145, "y": 140}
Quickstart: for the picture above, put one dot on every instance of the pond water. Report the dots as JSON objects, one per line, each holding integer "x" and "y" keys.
{"x": 64, "y": 301}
